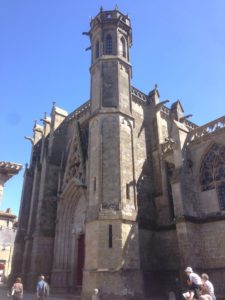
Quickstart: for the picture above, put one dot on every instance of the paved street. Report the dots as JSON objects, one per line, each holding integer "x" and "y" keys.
{"x": 32, "y": 296}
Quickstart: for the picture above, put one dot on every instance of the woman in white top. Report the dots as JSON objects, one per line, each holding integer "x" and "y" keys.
{"x": 207, "y": 286}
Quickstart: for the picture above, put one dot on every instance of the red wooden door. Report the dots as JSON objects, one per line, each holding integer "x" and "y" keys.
{"x": 80, "y": 259}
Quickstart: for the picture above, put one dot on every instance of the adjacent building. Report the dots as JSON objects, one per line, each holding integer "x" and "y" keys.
{"x": 7, "y": 221}
{"x": 124, "y": 192}
{"x": 7, "y": 238}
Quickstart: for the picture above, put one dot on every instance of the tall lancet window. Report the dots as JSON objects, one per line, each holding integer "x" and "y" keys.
{"x": 97, "y": 49}
{"x": 108, "y": 45}
{"x": 123, "y": 47}
{"x": 212, "y": 172}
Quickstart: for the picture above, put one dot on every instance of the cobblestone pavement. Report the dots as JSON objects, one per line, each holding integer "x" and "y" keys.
{"x": 32, "y": 296}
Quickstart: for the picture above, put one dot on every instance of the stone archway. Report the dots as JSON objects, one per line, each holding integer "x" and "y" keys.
{"x": 70, "y": 226}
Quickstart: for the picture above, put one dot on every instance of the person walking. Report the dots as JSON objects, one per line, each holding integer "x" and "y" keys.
{"x": 42, "y": 288}
{"x": 17, "y": 289}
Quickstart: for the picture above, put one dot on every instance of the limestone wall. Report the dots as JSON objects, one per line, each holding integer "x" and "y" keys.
{"x": 204, "y": 250}
{"x": 110, "y": 150}
{"x": 213, "y": 244}
{"x": 159, "y": 250}
{"x": 143, "y": 163}
{"x": 208, "y": 201}
{"x": 112, "y": 267}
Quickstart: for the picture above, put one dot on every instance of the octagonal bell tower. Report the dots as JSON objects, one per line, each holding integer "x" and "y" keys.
{"x": 110, "y": 70}
{"x": 111, "y": 243}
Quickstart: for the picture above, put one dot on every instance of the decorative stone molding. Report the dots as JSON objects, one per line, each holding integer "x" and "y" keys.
{"x": 168, "y": 146}
{"x": 214, "y": 217}
{"x": 165, "y": 113}
{"x": 208, "y": 129}
{"x": 126, "y": 121}
{"x": 140, "y": 97}
{"x": 80, "y": 111}
{"x": 10, "y": 167}
{"x": 190, "y": 125}
{"x": 165, "y": 110}
{"x": 75, "y": 164}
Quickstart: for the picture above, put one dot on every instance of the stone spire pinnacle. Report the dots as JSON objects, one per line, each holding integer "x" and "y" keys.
{"x": 53, "y": 104}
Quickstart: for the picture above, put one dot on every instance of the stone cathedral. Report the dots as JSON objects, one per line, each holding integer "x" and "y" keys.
{"x": 124, "y": 192}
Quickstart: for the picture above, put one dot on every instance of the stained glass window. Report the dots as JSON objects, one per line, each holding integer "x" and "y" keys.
{"x": 212, "y": 172}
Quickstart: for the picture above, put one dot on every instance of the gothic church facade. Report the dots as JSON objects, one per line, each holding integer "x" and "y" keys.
{"x": 124, "y": 192}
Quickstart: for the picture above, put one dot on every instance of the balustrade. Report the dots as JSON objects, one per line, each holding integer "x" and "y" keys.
{"x": 205, "y": 130}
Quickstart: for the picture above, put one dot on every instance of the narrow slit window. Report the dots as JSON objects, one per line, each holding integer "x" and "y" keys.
{"x": 109, "y": 45}
{"x": 123, "y": 47}
{"x": 95, "y": 184}
{"x": 127, "y": 191}
{"x": 110, "y": 236}
{"x": 97, "y": 49}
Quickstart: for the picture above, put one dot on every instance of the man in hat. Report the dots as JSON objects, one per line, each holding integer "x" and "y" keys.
{"x": 194, "y": 284}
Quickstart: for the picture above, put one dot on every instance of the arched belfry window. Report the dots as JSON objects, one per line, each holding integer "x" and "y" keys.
{"x": 97, "y": 49}
{"x": 123, "y": 47}
{"x": 212, "y": 172}
{"x": 108, "y": 44}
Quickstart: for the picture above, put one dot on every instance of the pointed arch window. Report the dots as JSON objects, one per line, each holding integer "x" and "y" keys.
{"x": 97, "y": 49}
{"x": 212, "y": 172}
{"x": 123, "y": 47}
{"x": 109, "y": 44}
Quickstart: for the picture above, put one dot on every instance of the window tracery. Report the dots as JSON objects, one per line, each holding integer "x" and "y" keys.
{"x": 212, "y": 172}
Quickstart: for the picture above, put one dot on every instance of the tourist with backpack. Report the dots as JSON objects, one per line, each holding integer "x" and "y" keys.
{"x": 42, "y": 288}
{"x": 17, "y": 289}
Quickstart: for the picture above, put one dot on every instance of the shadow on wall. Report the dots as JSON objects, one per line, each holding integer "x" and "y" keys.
{"x": 158, "y": 279}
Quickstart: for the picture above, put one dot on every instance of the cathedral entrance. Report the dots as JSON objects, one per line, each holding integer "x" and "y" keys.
{"x": 80, "y": 259}
{"x": 67, "y": 273}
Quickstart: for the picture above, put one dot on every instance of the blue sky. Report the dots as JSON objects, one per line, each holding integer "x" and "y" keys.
{"x": 178, "y": 44}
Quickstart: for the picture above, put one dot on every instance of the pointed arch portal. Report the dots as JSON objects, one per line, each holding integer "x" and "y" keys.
{"x": 69, "y": 248}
